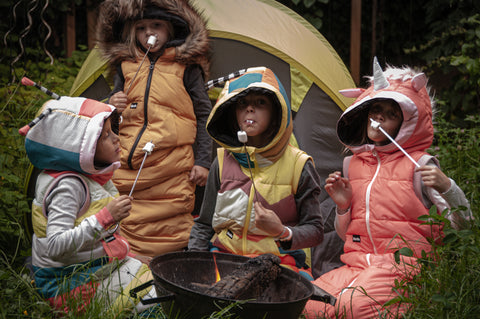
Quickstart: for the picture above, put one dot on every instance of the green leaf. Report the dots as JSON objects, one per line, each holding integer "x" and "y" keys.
{"x": 450, "y": 238}
{"x": 392, "y": 301}
{"x": 405, "y": 251}
{"x": 308, "y": 3}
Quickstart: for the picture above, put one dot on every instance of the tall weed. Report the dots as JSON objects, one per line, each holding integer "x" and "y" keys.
{"x": 448, "y": 279}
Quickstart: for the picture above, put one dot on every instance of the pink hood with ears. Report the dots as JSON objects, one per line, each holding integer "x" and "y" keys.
{"x": 403, "y": 85}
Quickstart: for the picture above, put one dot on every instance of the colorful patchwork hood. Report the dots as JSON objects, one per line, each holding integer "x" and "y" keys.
{"x": 403, "y": 85}
{"x": 222, "y": 125}
{"x": 64, "y": 137}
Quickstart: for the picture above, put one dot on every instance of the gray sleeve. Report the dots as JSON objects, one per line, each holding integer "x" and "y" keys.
{"x": 309, "y": 230}
{"x": 62, "y": 205}
{"x": 454, "y": 197}
{"x": 202, "y": 230}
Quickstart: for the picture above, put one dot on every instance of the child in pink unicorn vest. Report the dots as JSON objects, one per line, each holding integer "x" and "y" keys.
{"x": 383, "y": 192}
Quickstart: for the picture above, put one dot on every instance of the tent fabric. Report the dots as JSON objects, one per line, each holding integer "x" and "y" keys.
{"x": 268, "y": 26}
{"x": 92, "y": 68}
{"x": 251, "y": 33}
{"x": 276, "y": 29}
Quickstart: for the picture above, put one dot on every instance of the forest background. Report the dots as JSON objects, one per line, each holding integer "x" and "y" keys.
{"x": 440, "y": 37}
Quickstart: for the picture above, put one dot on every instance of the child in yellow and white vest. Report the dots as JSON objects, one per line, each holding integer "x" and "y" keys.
{"x": 262, "y": 193}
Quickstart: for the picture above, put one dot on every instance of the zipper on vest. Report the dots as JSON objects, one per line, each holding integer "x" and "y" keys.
{"x": 145, "y": 113}
{"x": 251, "y": 199}
{"x": 247, "y": 220}
{"x": 367, "y": 201}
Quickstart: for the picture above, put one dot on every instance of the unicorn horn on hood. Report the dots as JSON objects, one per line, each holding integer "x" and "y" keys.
{"x": 379, "y": 80}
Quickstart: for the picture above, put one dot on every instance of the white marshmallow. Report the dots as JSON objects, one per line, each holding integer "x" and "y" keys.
{"x": 148, "y": 148}
{"x": 151, "y": 40}
{"x": 242, "y": 136}
{"x": 374, "y": 124}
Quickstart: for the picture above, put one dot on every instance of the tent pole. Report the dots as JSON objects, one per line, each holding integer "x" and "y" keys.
{"x": 355, "y": 38}
{"x": 70, "y": 30}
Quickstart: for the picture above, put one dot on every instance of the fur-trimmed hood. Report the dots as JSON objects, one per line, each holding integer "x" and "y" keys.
{"x": 190, "y": 39}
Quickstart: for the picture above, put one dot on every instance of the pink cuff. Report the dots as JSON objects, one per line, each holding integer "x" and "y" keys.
{"x": 105, "y": 218}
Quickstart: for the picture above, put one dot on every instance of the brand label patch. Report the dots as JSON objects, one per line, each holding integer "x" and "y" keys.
{"x": 133, "y": 105}
{"x": 229, "y": 234}
{"x": 356, "y": 238}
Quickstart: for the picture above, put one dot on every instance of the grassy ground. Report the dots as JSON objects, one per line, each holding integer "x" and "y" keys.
{"x": 446, "y": 287}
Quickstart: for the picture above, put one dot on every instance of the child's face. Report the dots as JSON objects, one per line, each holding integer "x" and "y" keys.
{"x": 108, "y": 146}
{"x": 254, "y": 112}
{"x": 147, "y": 27}
{"x": 390, "y": 117}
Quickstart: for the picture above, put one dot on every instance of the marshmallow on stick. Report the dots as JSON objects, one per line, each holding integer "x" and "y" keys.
{"x": 243, "y": 138}
{"x": 151, "y": 41}
{"x": 148, "y": 148}
{"x": 376, "y": 125}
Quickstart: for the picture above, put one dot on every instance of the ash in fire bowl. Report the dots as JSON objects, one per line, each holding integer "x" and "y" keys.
{"x": 248, "y": 281}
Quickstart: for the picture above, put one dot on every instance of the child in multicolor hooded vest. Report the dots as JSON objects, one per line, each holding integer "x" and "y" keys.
{"x": 262, "y": 193}
{"x": 77, "y": 251}
{"x": 159, "y": 89}
{"x": 383, "y": 193}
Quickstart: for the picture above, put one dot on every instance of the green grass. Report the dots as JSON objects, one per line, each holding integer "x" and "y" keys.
{"x": 446, "y": 286}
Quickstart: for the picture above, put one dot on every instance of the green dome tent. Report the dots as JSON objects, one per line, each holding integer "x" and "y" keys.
{"x": 251, "y": 33}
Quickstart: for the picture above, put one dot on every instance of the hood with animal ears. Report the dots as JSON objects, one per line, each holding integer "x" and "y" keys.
{"x": 403, "y": 85}
{"x": 65, "y": 138}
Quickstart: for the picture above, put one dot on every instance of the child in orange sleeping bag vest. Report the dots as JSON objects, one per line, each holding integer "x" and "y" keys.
{"x": 159, "y": 91}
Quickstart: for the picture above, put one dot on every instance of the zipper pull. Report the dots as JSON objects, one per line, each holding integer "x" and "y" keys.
{"x": 375, "y": 154}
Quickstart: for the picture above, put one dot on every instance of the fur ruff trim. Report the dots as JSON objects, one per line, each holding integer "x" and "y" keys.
{"x": 115, "y": 14}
